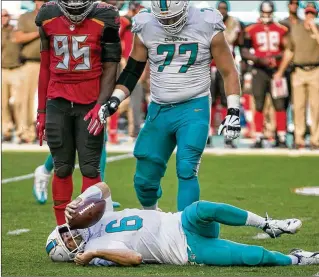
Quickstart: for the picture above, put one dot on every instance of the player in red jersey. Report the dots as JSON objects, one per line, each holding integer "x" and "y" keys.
{"x": 266, "y": 37}
{"x": 80, "y": 52}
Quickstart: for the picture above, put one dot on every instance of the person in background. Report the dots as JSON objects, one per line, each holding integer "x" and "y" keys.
{"x": 266, "y": 37}
{"x": 293, "y": 18}
{"x": 293, "y": 6}
{"x": 303, "y": 50}
{"x": 28, "y": 36}
{"x": 11, "y": 84}
{"x": 133, "y": 104}
{"x": 233, "y": 29}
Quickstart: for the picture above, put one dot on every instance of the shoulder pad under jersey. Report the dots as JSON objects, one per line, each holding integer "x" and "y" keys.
{"x": 48, "y": 11}
{"x": 213, "y": 16}
{"x": 107, "y": 14}
{"x": 139, "y": 20}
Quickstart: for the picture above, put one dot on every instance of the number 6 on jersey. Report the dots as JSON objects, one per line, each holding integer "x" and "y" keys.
{"x": 129, "y": 223}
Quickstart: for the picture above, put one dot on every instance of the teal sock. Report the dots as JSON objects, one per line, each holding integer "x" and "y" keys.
{"x": 188, "y": 192}
{"x": 222, "y": 213}
{"x": 103, "y": 159}
{"x": 49, "y": 163}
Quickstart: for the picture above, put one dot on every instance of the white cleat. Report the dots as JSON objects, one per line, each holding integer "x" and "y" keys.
{"x": 305, "y": 257}
{"x": 274, "y": 228}
{"x": 40, "y": 185}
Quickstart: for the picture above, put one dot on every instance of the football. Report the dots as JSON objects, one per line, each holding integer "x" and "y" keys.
{"x": 87, "y": 214}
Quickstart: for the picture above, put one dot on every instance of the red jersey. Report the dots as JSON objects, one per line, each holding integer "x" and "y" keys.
{"x": 266, "y": 39}
{"x": 126, "y": 36}
{"x": 76, "y": 51}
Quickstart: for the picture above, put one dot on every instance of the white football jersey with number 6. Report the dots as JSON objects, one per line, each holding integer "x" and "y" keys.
{"x": 157, "y": 236}
{"x": 180, "y": 64}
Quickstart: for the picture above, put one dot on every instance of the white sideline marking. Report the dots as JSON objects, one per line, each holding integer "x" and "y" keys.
{"x": 31, "y": 175}
{"x": 128, "y": 147}
{"x": 18, "y": 232}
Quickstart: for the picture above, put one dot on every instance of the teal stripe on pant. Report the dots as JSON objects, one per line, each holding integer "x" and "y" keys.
{"x": 103, "y": 158}
{"x": 201, "y": 222}
{"x": 49, "y": 163}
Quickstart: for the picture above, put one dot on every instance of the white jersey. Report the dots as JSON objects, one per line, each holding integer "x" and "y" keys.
{"x": 157, "y": 236}
{"x": 180, "y": 64}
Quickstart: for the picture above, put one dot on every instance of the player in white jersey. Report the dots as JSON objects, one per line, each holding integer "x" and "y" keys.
{"x": 179, "y": 42}
{"x": 133, "y": 236}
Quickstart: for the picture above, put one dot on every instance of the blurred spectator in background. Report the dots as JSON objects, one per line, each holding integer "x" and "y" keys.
{"x": 303, "y": 50}
{"x": 28, "y": 36}
{"x": 132, "y": 105}
{"x": 118, "y": 3}
{"x": 11, "y": 80}
{"x": 293, "y": 18}
{"x": 266, "y": 38}
{"x": 232, "y": 32}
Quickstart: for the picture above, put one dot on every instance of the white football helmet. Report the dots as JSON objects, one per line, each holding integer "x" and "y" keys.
{"x": 172, "y": 15}
{"x": 56, "y": 248}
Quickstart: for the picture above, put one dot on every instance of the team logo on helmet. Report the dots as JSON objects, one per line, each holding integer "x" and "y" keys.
{"x": 171, "y": 15}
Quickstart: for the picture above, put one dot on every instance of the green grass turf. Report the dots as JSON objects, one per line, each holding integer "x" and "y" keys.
{"x": 260, "y": 184}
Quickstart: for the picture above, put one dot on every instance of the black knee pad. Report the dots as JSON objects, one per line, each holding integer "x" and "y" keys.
{"x": 64, "y": 171}
{"x": 89, "y": 171}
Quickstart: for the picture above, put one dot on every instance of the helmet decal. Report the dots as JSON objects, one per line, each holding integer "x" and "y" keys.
{"x": 163, "y": 5}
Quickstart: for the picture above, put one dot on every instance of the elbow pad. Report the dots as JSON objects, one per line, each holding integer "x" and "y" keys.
{"x": 111, "y": 52}
{"x": 131, "y": 74}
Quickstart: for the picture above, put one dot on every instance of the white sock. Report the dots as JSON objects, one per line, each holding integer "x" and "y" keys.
{"x": 255, "y": 220}
{"x": 154, "y": 207}
{"x": 294, "y": 259}
{"x": 259, "y": 136}
{"x": 282, "y": 136}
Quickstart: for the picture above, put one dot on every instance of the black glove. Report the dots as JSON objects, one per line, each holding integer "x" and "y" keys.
{"x": 109, "y": 108}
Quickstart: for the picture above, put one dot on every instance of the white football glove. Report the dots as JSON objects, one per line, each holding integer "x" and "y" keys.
{"x": 230, "y": 127}
{"x": 108, "y": 109}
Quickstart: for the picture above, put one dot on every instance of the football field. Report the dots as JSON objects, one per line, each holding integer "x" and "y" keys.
{"x": 258, "y": 183}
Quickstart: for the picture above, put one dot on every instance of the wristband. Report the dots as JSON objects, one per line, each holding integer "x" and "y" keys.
{"x": 92, "y": 192}
{"x": 120, "y": 94}
{"x": 233, "y": 101}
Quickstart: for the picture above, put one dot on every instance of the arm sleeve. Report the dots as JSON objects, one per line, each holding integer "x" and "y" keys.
{"x": 111, "y": 45}
{"x": 110, "y": 41}
{"x": 44, "y": 74}
{"x": 247, "y": 40}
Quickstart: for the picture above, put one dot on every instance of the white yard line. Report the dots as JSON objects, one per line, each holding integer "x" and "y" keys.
{"x": 128, "y": 147}
{"x": 31, "y": 175}
{"x": 18, "y": 232}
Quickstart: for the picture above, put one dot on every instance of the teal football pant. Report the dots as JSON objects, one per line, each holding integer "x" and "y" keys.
{"x": 184, "y": 125}
{"x": 201, "y": 224}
